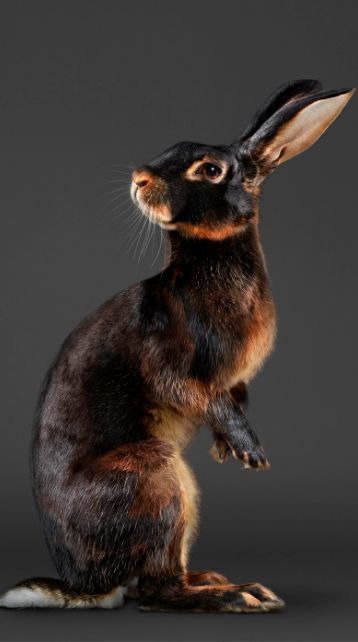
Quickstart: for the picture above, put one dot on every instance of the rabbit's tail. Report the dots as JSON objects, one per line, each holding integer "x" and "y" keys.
{"x": 43, "y": 592}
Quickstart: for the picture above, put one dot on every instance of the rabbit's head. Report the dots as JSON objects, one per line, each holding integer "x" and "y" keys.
{"x": 211, "y": 191}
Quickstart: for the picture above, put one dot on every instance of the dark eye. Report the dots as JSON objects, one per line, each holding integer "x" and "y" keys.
{"x": 210, "y": 170}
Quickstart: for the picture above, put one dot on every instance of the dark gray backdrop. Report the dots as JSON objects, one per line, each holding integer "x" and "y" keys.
{"x": 87, "y": 86}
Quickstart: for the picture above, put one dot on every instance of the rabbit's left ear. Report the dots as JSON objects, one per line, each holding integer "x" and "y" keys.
{"x": 289, "y": 131}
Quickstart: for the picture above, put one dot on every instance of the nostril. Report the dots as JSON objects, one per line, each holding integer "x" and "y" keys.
{"x": 142, "y": 182}
{"x": 141, "y": 178}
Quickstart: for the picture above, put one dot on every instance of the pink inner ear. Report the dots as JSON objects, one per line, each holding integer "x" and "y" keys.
{"x": 305, "y": 128}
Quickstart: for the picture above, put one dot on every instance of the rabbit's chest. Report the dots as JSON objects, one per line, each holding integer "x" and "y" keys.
{"x": 254, "y": 345}
{"x": 235, "y": 348}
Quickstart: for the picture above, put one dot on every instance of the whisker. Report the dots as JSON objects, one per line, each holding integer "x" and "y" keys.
{"x": 118, "y": 171}
{"x": 135, "y": 218}
{"x": 159, "y": 248}
{"x": 142, "y": 251}
{"x": 153, "y": 234}
{"x": 124, "y": 203}
{"x": 116, "y": 198}
{"x": 134, "y": 231}
{"x": 125, "y": 165}
{"x": 121, "y": 190}
{"x": 140, "y": 236}
{"x": 118, "y": 180}
{"x": 122, "y": 212}
{"x": 146, "y": 238}
{"x": 132, "y": 236}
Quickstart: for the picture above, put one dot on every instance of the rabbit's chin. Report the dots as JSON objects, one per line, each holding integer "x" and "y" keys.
{"x": 159, "y": 214}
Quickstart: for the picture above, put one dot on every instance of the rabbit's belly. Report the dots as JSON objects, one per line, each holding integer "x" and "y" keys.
{"x": 169, "y": 425}
{"x": 255, "y": 348}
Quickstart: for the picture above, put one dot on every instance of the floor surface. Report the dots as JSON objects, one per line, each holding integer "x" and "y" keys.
{"x": 320, "y": 593}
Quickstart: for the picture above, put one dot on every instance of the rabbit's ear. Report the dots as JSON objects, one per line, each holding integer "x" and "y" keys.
{"x": 290, "y": 130}
{"x": 285, "y": 93}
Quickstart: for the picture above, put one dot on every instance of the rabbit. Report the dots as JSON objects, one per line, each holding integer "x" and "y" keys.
{"x": 136, "y": 379}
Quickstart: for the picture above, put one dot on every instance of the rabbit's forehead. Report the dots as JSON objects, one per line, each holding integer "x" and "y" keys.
{"x": 184, "y": 154}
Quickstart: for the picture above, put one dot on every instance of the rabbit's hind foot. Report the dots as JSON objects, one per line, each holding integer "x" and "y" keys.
{"x": 219, "y": 598}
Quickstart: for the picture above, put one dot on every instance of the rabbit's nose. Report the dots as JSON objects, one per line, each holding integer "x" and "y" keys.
{"x": 141, "y": 178}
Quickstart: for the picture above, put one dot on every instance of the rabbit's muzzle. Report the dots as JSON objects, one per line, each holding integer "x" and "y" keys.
{"x": 150, "y": 193}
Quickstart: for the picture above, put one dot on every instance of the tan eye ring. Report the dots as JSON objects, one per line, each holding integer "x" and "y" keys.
{"x": 209, "y": 170}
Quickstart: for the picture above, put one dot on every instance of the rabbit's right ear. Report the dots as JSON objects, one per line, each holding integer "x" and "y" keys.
{"x": 293, "y": 119}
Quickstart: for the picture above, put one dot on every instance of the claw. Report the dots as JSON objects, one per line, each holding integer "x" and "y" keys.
{"x": 269, "y": 600}
{"x": 219, "y": 452}
{"x": 255, "y": 460}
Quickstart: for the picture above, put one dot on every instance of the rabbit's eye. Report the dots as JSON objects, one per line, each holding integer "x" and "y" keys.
{"x": 206, "y": 169}
{"x": 211, "y": 171}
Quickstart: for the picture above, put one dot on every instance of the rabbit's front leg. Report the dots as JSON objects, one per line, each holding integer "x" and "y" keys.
{"x": 233, "y": 433}
{"x": 165, "y": 368}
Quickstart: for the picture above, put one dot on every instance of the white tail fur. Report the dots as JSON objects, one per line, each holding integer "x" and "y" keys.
{"x": 46, "y": 593}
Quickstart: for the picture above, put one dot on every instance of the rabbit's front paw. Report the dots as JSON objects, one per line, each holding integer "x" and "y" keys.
{"x": 244, "y": 446}
{"x": 252, "y": 457}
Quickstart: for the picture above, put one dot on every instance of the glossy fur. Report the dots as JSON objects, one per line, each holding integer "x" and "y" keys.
{"x": 136, "y": 379}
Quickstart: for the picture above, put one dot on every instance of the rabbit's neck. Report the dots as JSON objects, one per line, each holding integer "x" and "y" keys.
{"x": 232, "y": 260}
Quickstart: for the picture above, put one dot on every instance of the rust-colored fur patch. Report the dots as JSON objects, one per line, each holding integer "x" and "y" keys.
{"x": 258, "y": 344}
{"x": 209, "y": 233}
{"x": 134, "y": 458}
{"x": 155, "y": 491}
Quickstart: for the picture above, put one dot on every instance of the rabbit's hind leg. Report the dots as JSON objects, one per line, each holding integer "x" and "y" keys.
{"x": 190, "y": 498}
{"x": 164, "y": 584}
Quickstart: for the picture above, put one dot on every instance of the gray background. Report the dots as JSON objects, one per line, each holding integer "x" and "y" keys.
{"x": 87, "y": 86}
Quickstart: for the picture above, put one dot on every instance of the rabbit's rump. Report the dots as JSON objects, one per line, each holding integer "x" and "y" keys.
{"x": 127, "y": 513}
